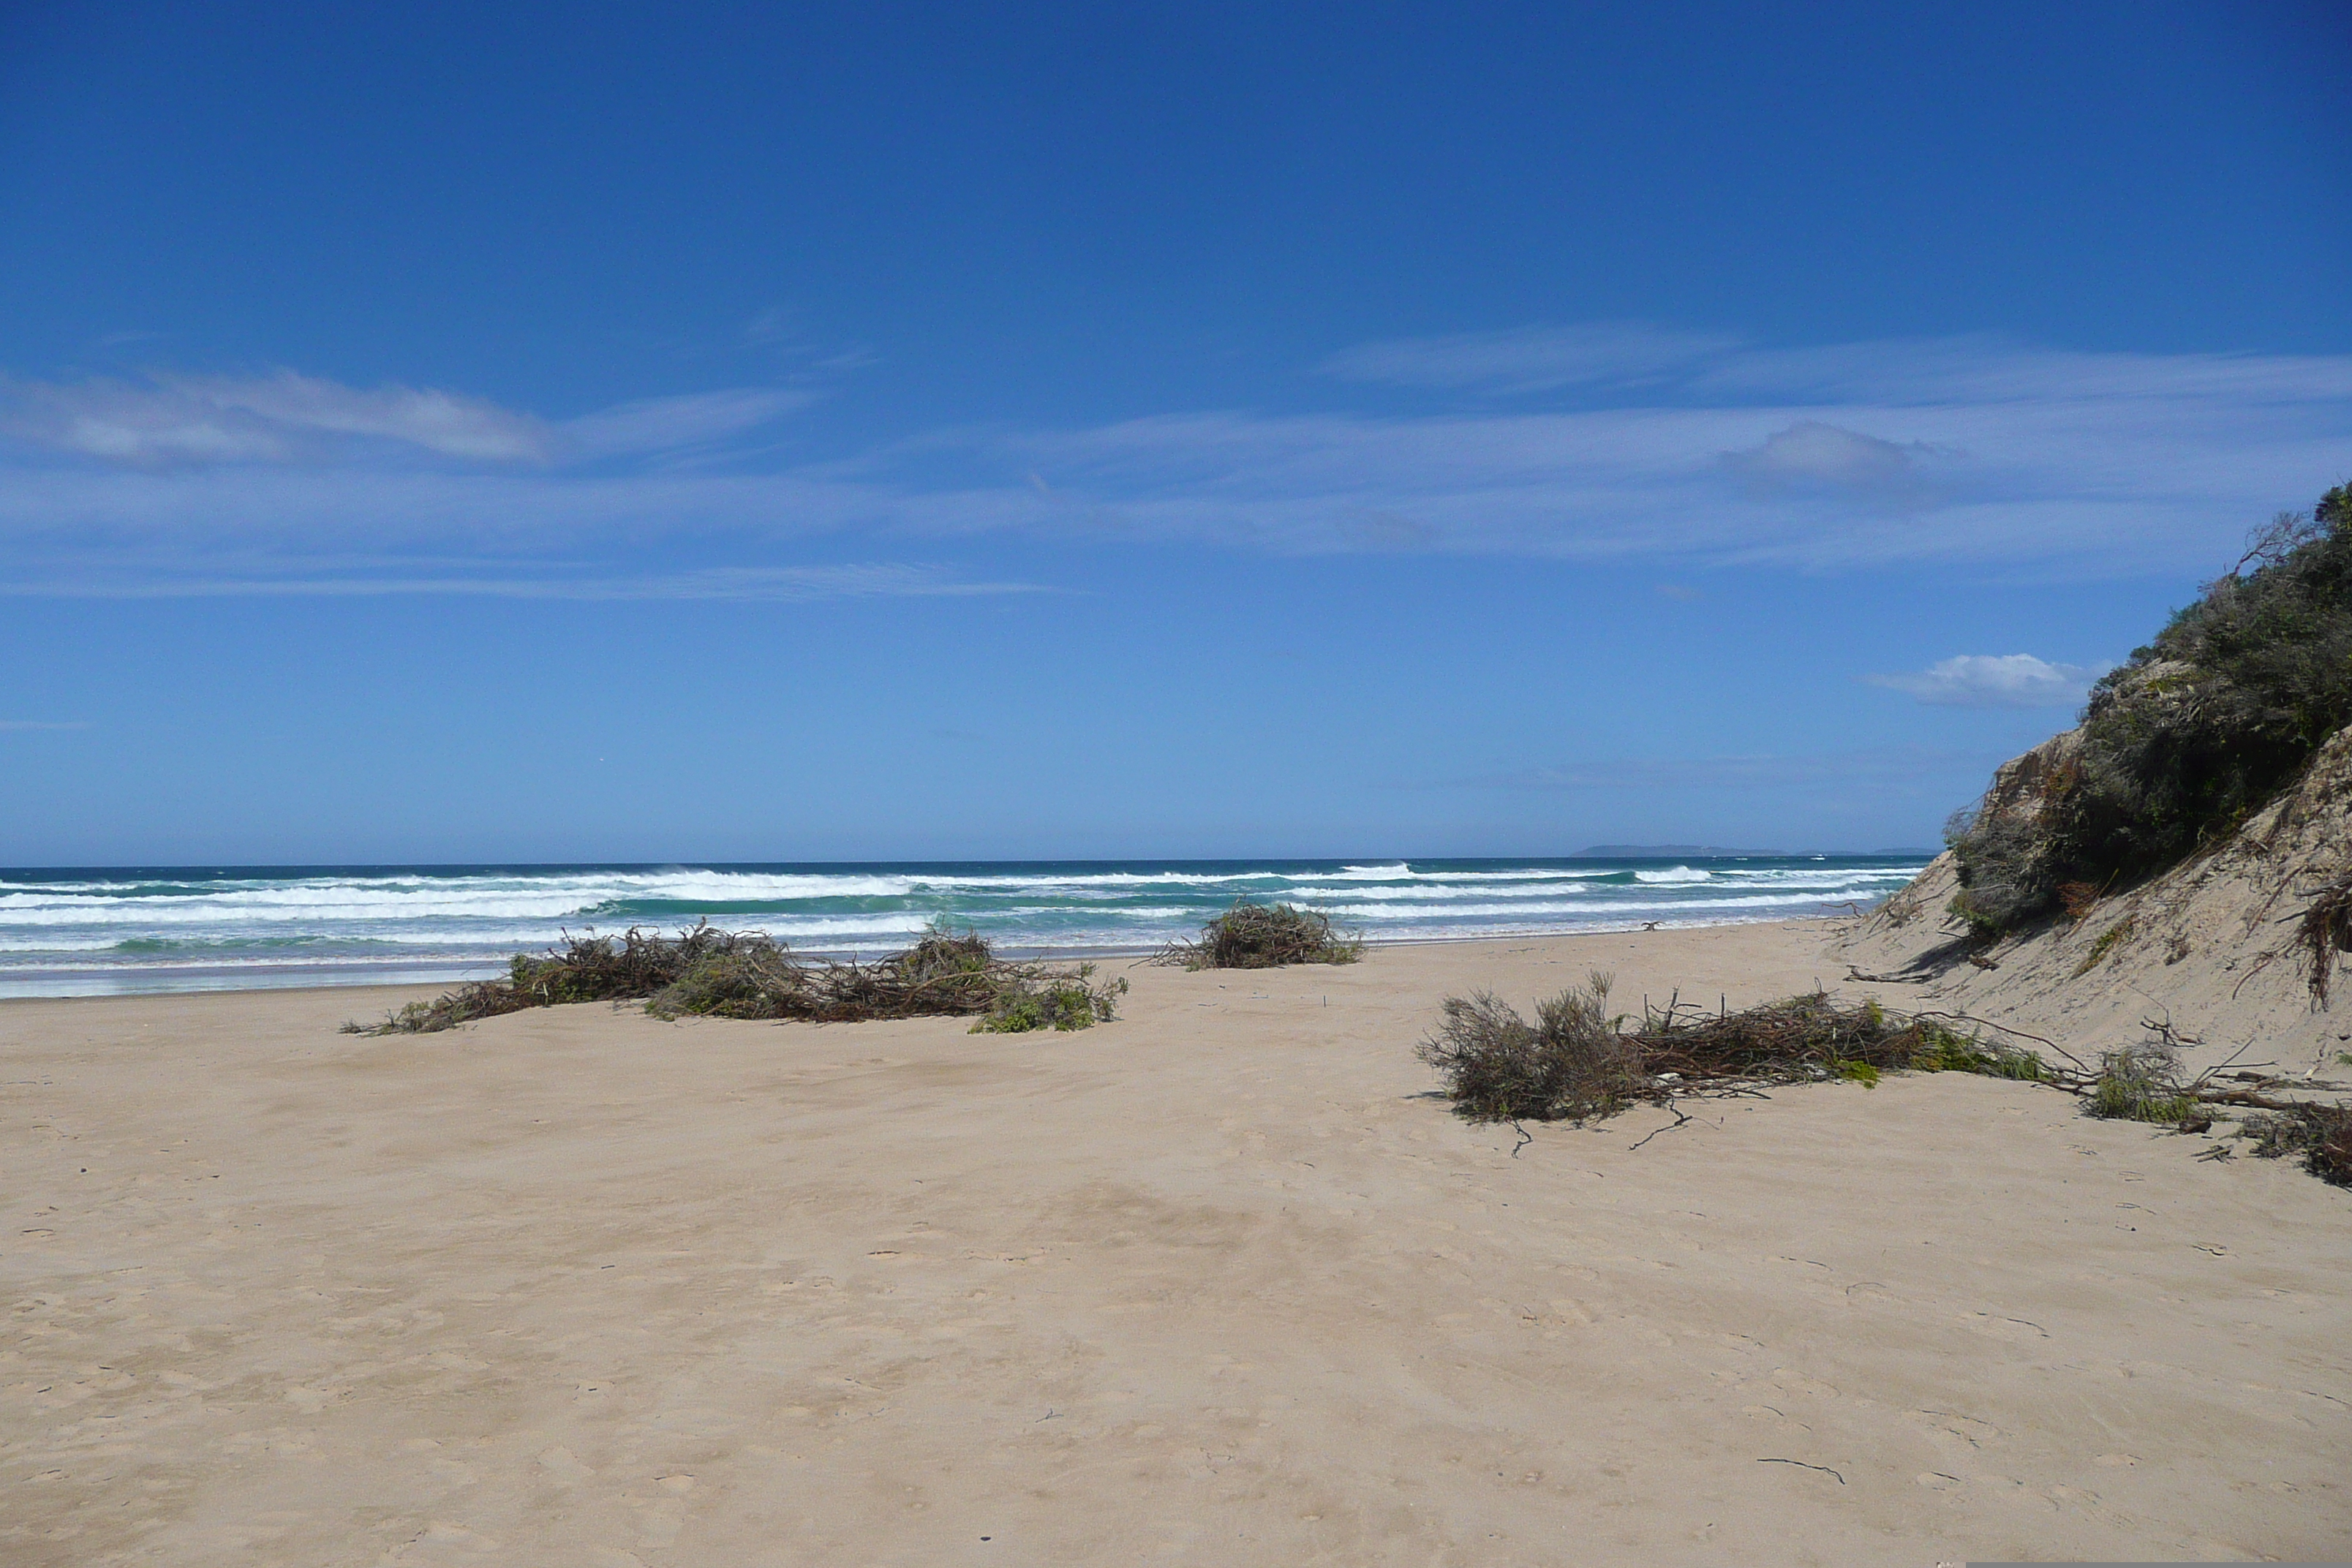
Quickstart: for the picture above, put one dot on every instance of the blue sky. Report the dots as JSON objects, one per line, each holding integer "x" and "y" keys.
{"x": 499, "y": 432}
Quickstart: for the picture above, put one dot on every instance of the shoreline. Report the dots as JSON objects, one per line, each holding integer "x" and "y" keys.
{"x": 1223, "y": 1281}
{"x": 1042, "y": 955}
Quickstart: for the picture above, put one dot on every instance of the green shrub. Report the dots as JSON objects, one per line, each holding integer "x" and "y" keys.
{"x": 1059, "y": 1002}
{"x": 2140, "y": 1083}
{"x": 1947, "y": 1051}
{"x": 2003, "y": 880}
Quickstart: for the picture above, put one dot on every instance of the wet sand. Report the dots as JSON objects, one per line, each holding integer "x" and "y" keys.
{"x": 1219, "y": 1283}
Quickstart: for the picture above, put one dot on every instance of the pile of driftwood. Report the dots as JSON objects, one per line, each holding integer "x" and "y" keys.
{"x": 1578, "y": 1061}
{"x": 705, "y": 972}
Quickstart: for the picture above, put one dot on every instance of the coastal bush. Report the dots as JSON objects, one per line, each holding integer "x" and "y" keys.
{"x": 1576, "y": 1063}
{"x": 1264, "y": 936}
{"x": 703, "y": 972}
{"x": 2188, "y": 738}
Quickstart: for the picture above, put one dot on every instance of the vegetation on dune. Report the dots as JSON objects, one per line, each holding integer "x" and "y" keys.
{"x": 706, "y": 972}
{"x": 1578, "y": 1062}
{"x": 1264, "y": 936}
{"x": 2324, "y": 930}
{"x": 2181, "y": 745}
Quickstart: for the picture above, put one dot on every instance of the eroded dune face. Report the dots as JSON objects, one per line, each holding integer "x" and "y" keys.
{"x": 2210, "y": 947}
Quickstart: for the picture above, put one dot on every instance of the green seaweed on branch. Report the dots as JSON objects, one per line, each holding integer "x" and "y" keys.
{"x": 1264, "y": 936}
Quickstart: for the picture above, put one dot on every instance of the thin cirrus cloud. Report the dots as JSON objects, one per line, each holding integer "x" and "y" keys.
{"x": 1684, "y": 451}
{"x": 1715, "y": 774}
{"x": 775, "y": 584}
{"x": 284, "y": 418}
{"x": 1535, "y": 359}
{"x": 701, "y": 420}
{"x": 1997, "y": 680}
{"x": 171, "y": 421}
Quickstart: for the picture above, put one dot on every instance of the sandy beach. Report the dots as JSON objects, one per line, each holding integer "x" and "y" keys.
{"x": 1222, "y": 1283}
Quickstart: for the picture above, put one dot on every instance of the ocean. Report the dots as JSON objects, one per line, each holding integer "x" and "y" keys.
{"x": 65, "y": 932}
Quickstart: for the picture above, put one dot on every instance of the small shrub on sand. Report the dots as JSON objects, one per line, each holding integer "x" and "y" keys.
{"x": 2322, "y": 1134}
{"x": 1576, "y": 1063}
{"x": 706, "y": 972}
{"x": 2141, "y": 1083}
{"x": 1572, "y": 1062}
{"x": 1057, "y": 1002}
{"x": 1264, "y": 936}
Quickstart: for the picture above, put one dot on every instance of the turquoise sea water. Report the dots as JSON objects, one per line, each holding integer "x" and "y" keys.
{"x": 93, "y": 931}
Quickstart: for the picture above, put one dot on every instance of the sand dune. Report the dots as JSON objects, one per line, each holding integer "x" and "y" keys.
{"x": 2208, "y": 946}
{"x": 1219, "y": 1283}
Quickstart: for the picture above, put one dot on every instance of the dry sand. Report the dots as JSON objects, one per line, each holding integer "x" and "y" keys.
{"x": 1219, "y": 1283}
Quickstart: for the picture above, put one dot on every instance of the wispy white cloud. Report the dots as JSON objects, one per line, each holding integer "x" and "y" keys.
{"x": 675, "y": 424}
{"x": 1716, "y": 774}
{"x": 1684, "y": 451}
{"x": 1532, "y": 359}
{"x": 739, "y": 584}
{"x": 176, "y": 420}
{"x": 1997, "y": 680}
